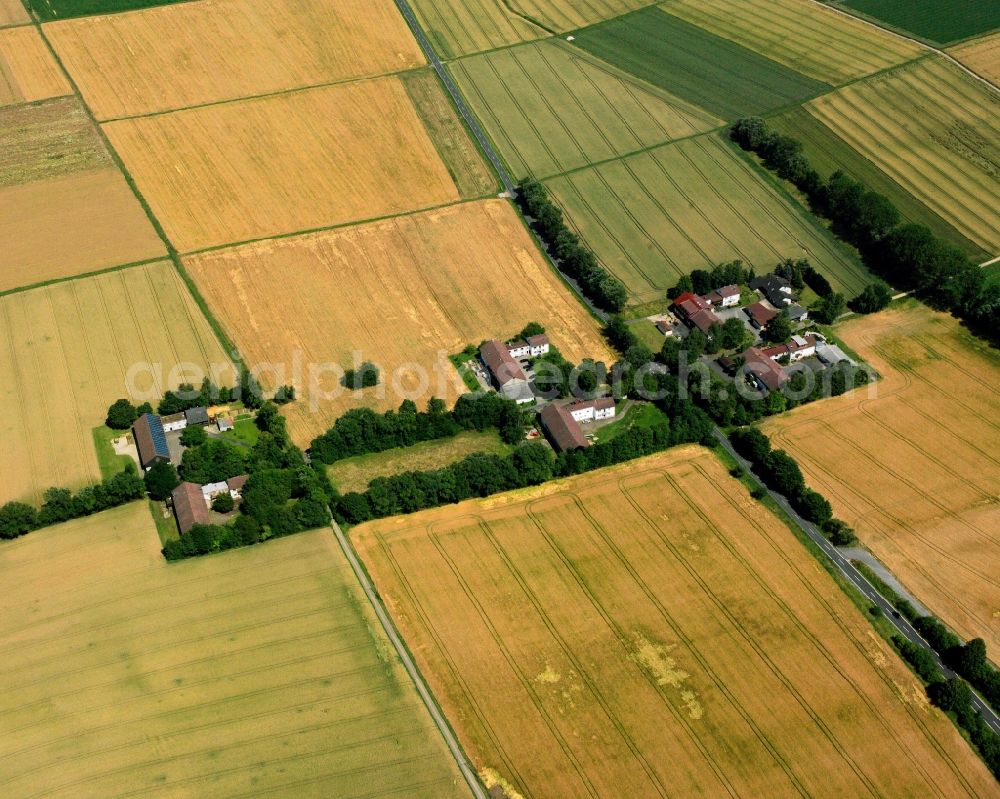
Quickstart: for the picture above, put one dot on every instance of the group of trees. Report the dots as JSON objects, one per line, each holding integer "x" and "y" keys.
{"x": 61, "y": 504}
{"x": 781, "y": 473}
{"x": 602, "y": 288}
{"x": 969, "y": 659}
{"x": 702, "y": 281}
{"x": 909, "y": 256}
{"x": 122, "y": 414}
{"x": 365, "y": 376}
{"x": 362, "y": 430}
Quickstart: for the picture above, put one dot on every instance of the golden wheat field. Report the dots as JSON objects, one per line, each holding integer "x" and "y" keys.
{"x": 258, "y": 168}
{"x": 187, "y": 54}
{"x": 65, "y": 352}
{"x": 916, "y": 470}
{"x": 259, "y": 672}
{"x": 27, "y": 69}
{"x": 401, "y": 292}
{"x": 650, "y": 630}
{"x": 12, "y": 12}
{"x": 982, "y": 56}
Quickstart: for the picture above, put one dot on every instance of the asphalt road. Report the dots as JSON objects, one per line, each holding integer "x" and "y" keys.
{"x": 390, "y": 630}
{"x": 858, "y": 579}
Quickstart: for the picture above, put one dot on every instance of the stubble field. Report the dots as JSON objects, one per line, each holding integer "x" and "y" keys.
{"x": 27, "y": 69}
{"x": 400, "y": 292}
{"x": 936, "y": 132}
{"x": 916, "y": 470}
{"x": 65, "y": 351}
{"x": 653, "y": 217}
{"x": 194, "y": 53}
{"x": 259, "y": 672}
{"x": 649, "y": 630}
{"x": 458, "y": 27}
{"x": 804, "y": 36}
{"x": 982, "y": 56}
{"x": 550, "y": 108}
{"x": 12, "y": 12}
{"x": 259, "y": 168}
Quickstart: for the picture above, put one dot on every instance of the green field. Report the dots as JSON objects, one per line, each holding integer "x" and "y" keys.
{"x": 109, "y": 461}
{"x": 644, "y": 415}
{"x": 354, "y": 474}
{"x": 654, "y": 216}
{"x": 719, "y": 75}
{"x": 827, "y": 152}
{"x": 259, "y": 672}
{"x": 550, "y": 108}
{"x": 63, "y": 9}
{"x": 939, "y": 21}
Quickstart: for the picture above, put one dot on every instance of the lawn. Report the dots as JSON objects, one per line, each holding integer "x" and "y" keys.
{"x": 644, "y": 415}
{"x": 108, "y": 461}
{"x": 647, "y": 332}
{"x": 257, "y": 672}
{"x": 354, "y": 474}
{"x": 245, "y": 431}
{"x": 717, "y": 74}
{"x": 938, "y": 21}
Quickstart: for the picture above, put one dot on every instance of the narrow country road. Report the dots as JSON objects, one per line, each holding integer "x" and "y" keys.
{"x": 858, "y": 579}
{"x": 390, "y": 630}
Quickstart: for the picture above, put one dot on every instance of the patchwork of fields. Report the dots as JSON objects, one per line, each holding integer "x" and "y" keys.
{"x": 939, "y": 21}
{"x": 804, "y": 36}
{"x": 459, "y": 27}
{"x": 195, "y": 53}
{"x": 916, "y": 470}
{"x": 934, "y": 131}
{"x": 263, "y": 671}
{"x": 550, "y": 108}
{"x": 982, "y": 56}
{"x": 650, "y": 630}
{"x": 404, "y": 293}
{"x": 65, "y": 351}
{"x": 27, "y": 69}
{"x": 653, "y": 217}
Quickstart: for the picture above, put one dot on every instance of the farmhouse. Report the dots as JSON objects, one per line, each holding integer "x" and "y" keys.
{"x": 797, "y": 348}
{"x": 696, "y": 311}
{"x": 224, "y": 423}
{"x": 760, "y": 314}
{"x": 725, "y": 297}
{"x": 172, "y": 422}
{"x": 796, "y": 312}
{"x": 150, "y": 440}
{"x": 562, "y": 429}
{"x": 190, "y": 507}
{"x": 531, "y": 347}
{"x": 775, "y": 288}
{"x": 766, "y": 373}
{"x": 196, "y": 416}
{"x": 236, "y": 485}
{"x": 507, "y": 374}
{"x": 592, "y": 410}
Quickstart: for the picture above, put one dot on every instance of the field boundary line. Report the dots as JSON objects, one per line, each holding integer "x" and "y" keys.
{"x": 84, "y": 275}
{"x": 437, "y": 716}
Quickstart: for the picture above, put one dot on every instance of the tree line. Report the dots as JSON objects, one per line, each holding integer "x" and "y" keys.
{"x": 908, "y": 256}
{"x": 600, "y": 286}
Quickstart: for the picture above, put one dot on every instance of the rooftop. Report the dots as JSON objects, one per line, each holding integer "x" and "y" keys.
{"x": 761, "y": 366}
{"x": 189, "y": 506}
{"x": 150, "y": 439}
{"x": 562, "y": 428}
{"x": 500, "y": 363}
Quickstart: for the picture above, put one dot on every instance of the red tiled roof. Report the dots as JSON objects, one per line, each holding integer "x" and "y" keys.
{"x": 704, "y": 320}
{"x": 538, "y": 341}
{"x": 760, "y": 313}
{"x": 562, "y": 428}
{"x": 764, "y": 369}
{"x": 189, "y": 506}
{"x": 500, "y": 363}
{"x": 237, "y": 483}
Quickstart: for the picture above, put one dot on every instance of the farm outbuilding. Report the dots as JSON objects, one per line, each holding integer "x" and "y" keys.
{"x": 190, "y": 507}
{"x": 150, "y": 440}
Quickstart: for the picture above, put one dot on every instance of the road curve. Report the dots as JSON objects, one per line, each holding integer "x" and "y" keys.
{"x": 390, "y": 630}
{"x": 858, "y": 579}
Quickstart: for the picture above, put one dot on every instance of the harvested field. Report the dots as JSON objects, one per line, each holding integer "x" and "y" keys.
{"x": 65, "y": 351}
{"x": 564, "y": 15}
{"x": 404, "y": 293}
{"x": 27, "y": 70}
{"x": 72, "y": 225}
{"x": 262, "y": 671}
{"x": 48, "y": 140}
{"x": 827, "y": 153}
{"x": 457, "y": 27}
{"x": 459, "y": 152}
{"x": 722, "y": 77}
{"x": 804, "y": 36}
{"x": 653, "y": 217}
{"x": 354, "y": 474}
{"x": 939, "y": 21}
{"x": 933, "y": 130}
{"x": 258, "y": 168}
{"x": 157, "y": 60}
{"x": 649, "y": 630}
{"x": 916, "y": 470}
{"x": 12, "y": 12}
{"x": 550, "y": 108}
{"x": 982, "y": 56}
{"x": 48, "y": 10}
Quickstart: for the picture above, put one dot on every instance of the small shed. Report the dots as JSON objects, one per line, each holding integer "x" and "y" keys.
{"x": 197, "y": 415}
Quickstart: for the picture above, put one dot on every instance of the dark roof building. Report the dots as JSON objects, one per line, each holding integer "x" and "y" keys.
{"x": 777, "y": 290}
{"x": 502, "y": 366}
{"x": 725, "y": 296}
{"x": 150, "y": 440}
{"x": 190, "y": 507}
{"x": 563, "y": 430}
{"x": 760, "y": 314}
{"x": 197, "y": 415}
{"x": 796, "y": 312}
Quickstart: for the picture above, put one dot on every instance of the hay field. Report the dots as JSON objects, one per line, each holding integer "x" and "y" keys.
{"x": 13, "y": 12}
{"x": 649, "y": 630}
{"x": 550, "y": 108}
{"x": 194, "y": 53}
{"x": 982, "y": 56}
{"x": 65, "y": 351}
{"x": 940, "y": 21}
{"x": 258, "y": 168}
{"x": 458, "y": 27}
{"x": 719, "y": 75}
{"x": 258, "y": 672}
{"x": 933, "y": 130}
{"x": 804, "y": 36}
{"x": 653, "y": 217}
{"x": 409, "y": 290}
{"x": 463, "y": 159}
{"x": 916, "y": 471}
{"x": 27, "y": 70}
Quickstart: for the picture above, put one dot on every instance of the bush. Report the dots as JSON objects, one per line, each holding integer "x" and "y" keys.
{"x": 874, "y": 298}
{"x": 121, "y": 415}
{"x": 812, "y": 506}
{"x": 223, "y": 503}
{"x": 365, "y": 376}
{"x": 839, "y": 533}
{"x": 16, "y": 519}
{"x": 193, "y": 436}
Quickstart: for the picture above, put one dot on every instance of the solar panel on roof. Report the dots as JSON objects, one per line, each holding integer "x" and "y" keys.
{"x": 159, "y": 437}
